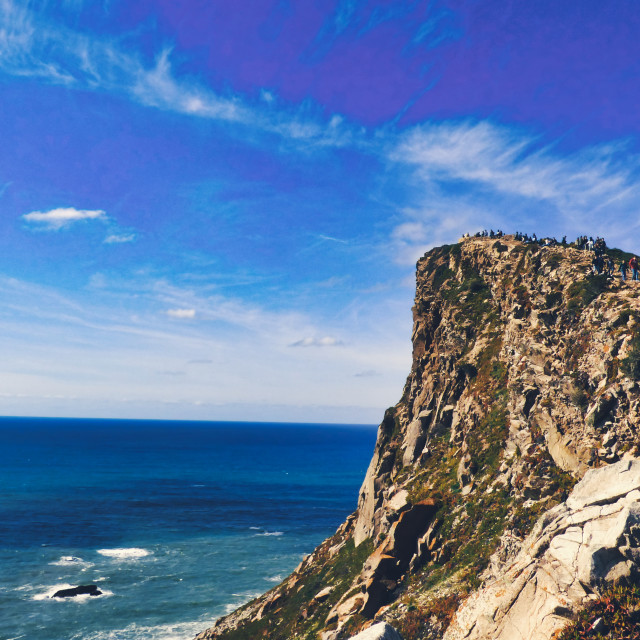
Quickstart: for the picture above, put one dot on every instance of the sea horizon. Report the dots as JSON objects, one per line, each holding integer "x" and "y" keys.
{"x": 195, "y": 420}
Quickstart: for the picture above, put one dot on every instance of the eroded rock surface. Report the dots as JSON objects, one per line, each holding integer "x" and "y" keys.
{"x": 577, "y": 547}
{"x": 378, "y": 631}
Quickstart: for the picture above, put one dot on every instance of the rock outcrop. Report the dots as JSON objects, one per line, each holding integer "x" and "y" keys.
{"x": 524, "y": 382}
{"x": 81, "y": 590}
{"x": 379, "y": 631}
{"x": 591, "y": 539}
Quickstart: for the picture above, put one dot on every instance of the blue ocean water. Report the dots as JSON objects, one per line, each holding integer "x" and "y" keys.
{"x": 177, "y": 523}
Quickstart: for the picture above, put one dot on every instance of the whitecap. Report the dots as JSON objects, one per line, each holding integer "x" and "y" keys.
{"x": 244, "y": 598}
{"x": 71, "y": 561}
{"x": 270, "y": 533}
{"x": 277, "y": 578}
{"x": 168, "y": 631}
{"x": 132, "y": 553}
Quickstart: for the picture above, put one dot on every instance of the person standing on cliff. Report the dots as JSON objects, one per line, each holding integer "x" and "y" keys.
{"x": 623, "y": 269}
{"x": 633, "y": 265}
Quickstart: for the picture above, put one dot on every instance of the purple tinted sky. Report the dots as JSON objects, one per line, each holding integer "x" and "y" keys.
{"x": 554, "y": 64}
{"x": 213, "y": 210}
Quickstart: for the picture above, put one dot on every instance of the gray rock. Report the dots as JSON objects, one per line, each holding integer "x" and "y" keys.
{"x": 378, "y": 631}
{"x": 593, "y": 538}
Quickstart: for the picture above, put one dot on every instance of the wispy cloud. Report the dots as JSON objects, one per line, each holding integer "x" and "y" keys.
{"x": 116, "y": 238}
{"x": 332, "y": 239}
{"x": 326, "y": 341}
{"x": 369, "y": 373}
{"x": 115, "y": 362}
{"x": 57, "y": 219}
{"x": 464, "y": 176}
{"x": 31, "y": 45}
{"x": 507, "y": 160}
{"x": 183, "y": 314}
{"x": 64, "y": 217}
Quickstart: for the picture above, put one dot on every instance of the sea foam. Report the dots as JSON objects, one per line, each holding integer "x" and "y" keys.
{"x": 71, "y": 561}
{"x": 176, "y": 631}
{"x": 270, "y": 533}
{"x": 132, "y": 553}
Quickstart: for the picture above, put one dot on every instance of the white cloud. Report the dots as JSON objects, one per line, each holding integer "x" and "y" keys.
{"x": 508, "y": 161}
{"x": 326, "y": 341}
{"x": 267, "y": 96}
{"x": 63, "y": 217}
{"x": 181, "y": 313}
{"x": 466, "y": 176}
{"x": 116, "y": 238}
{"x": 157, "y": 87}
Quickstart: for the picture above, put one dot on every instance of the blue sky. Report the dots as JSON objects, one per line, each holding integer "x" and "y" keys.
{"x": 212, "y": 210}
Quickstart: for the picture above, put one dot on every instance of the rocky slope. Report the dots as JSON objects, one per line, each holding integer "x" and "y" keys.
{"x": 523, "y": 379}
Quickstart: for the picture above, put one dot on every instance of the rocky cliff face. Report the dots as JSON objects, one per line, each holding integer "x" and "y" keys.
{"x": 523, "y": 379}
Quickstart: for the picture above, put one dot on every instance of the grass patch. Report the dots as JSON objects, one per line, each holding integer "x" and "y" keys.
{"x": 338, "y": 572}
{"x": 441, "y": 275}
{"x": 471, "y": 296}
{"x": 423, "y": 622}
{"x": 582, "y": 292}
{"x": 617, "y": 255}
{"x": 630, "y": 365}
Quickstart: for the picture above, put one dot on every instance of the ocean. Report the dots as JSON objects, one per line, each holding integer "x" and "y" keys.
{"x": 177, "y": 523}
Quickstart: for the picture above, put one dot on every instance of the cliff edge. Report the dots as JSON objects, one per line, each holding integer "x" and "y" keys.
{"x": 523, "y": 382}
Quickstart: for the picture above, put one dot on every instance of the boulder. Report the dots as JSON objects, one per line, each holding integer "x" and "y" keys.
{"x": 81, "y": 590}
{"x": 590, "y": 540}
{"x": 378, "y": 631}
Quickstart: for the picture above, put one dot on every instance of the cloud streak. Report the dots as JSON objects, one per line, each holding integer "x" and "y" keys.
{"x": 122, "y": 238}
{"x": 464, "y": 176}
{"x": 326, "y": 341}
{"x": 32, "y": 46}
{"x": 182, "y": 314}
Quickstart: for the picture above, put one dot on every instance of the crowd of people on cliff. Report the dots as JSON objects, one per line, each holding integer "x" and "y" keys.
{"x": 486, "y": 234}
{"x": 546, "y": 242}
{"x": 601, "y": 263}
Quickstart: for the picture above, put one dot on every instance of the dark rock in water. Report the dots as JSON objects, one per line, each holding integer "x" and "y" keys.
{"x": 81, "y": 590}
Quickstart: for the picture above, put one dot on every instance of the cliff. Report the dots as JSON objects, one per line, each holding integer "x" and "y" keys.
{"x": 523, "y": 382}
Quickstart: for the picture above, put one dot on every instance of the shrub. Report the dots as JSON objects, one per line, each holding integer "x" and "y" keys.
{"x": 580, "y": 398}
{"x": 430, "y": 621}
{"x": 630, "y": 365}
{"x": 617, "y": 612}
{"x": 552, "y": 299}
{"x": 582, "y": 292}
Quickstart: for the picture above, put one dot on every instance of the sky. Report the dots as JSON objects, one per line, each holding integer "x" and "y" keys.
{"x": 212, "y": 210}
